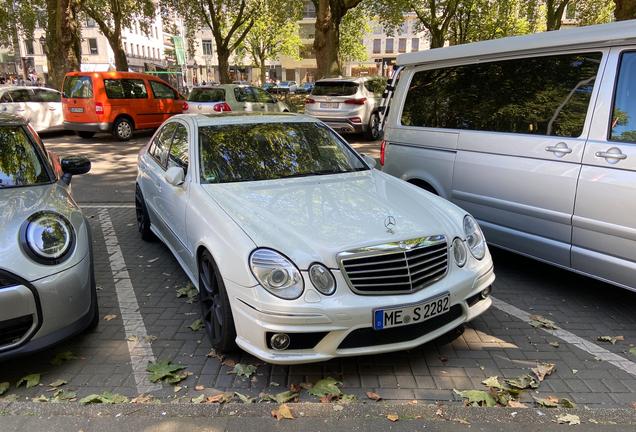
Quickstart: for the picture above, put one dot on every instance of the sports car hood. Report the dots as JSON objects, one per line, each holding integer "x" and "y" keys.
{"x": 314, "y": 218}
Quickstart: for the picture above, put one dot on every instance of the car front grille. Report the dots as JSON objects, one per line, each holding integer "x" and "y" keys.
{"x": 366, "y": 337}
{"x": 12, "y": 330}
{"x": 395, "y": 268}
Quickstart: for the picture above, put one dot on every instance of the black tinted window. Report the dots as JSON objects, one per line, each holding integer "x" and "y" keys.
{"x": 623, "y": 127}
{"x": 163, "y": 91}
{"x": 125, "y": 89}
{"x": 542, "y": 96}
{"x": 250, "y": 152}
{"x": 243, "y": 94}
{"x": 20, "y": 163}
{"x": 22, "y": 96}
{"x": 376, "y": 86}
{"x": 207, "y": 95}
{"x": 48, "y": 95}
{"x": 78, "y": 87}
{"x": 335, "y": 89}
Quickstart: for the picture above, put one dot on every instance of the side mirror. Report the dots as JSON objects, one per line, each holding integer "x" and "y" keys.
{"x": 175, "y": 176}
{"x": 369, "y": 160}
{"x": 72, "y": 165}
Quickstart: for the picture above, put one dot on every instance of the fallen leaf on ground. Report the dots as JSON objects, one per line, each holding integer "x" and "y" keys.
{"x": 177, "y": 389}
{"x": 597, "y": 358}
{"x": 632, "y": 351}
{"x": 542, "y": 370}
{"x": 567, "y": 403}
{"x": 338, "y": 408}
{"x": 142, "y": 399}
{"x": 546, "y": 403}
{"x": 554, "y": 344}
{"x": 443, "y": 359}
{"x": 10, "y": 398}
{"x": 66, "y": 355}
{"x": 607, "y": 339}
{"x": 197, "y": 325}
{"x": 31, "y": 380}
{"x": 63, "y": 396}
{"x": 478, "y": 397}
{"x": 164, "y": 371}
{"x": 569, "y": 419}
{"x": 347, "y": 399}
{"x": 229, "y": 363}
{"x": 150, "y": 339}
{"x": 213, "y": 399}
{"x": 439, "y": 412}
{"x": 153, "y": 260}
{"x": 132, "y": 338}
{"x": 574, "y": 371}
{"x": 273, "y": 384}
{"x": 245, "y": 398}
{"x": 493, "y": 381}
{"x": 244, "y": 371}
{"x": 306, "y": 386}
{"x": 199, "y": 388}
{"x": 373, "y": 396}
{"x": 462, "y": 421}
{"x": 4, "y": 387}
{"x": 539, "y": 321}
{"x": 295, "y": 388}
{"x": 105, "y": 397}
{"x": 99, "y": 287}
{"x": 110, "y": 317}
{"x": 40, "y": 399}
{"x": 553, "y": 399}
{"x": 56, "y": 383}
{"x": 392, "y": 417}
{"x": 280, "y": 397}
{"x": 282, "y": 412}
{"x": 523, "y": 382}
{"x": 593, "y": 421}
{"x": 327, "y": 386}
{"x": 619, "y": 338}
{"x": 198, "y": 399}
{"x": 514, "y": 404}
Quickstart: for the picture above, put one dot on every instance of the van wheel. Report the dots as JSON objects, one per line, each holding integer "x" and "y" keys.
{"x": 84, "y": 134}
{"x": 123, "y": 129}
{"x": 373, "y": 131}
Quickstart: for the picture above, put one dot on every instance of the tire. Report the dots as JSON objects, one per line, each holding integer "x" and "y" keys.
{"x": 84, "y": 134}
{"x": 95, "y": 307}
{"x": 373, "y": 130}
{"x": 123, "y": 129}
{"x": 215, "y": 306}
{"x": 143, "y": 220}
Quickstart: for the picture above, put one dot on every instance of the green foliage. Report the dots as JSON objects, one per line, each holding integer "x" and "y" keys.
{"x": 324, "y": 387}
{"x": 63, "y": 396}
{"x": 478, "y": 398}
{"x": 164, "y": 371}
{"x": 58, "y": 383}
{"x": 196, "y": 326}
{"x": 4, "y": 386}
{"x": 523, "y": 382}
{"x": 105, "y": 397}
{"x": 591, "y": 12}
{"x": 280, "y": 397}
{"x": 31, "y": 380}
{"x": 22, "y": 17}
{"x": 244, "y": 371}
{"x": 354, "y": 26}
{"x": 66, "y": 355}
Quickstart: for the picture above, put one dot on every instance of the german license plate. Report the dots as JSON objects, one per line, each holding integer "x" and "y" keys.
{"x": 328, "y": 104}
{"x": 410, "y": 314}
{"x": 77, "y": 110}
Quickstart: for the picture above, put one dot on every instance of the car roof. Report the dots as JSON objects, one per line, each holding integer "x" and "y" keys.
{"x": 9, "y": 88}
{"x": 220, "y": 86}
{"x": 348, "y": 78}
{"x": 588, "y": 37}
{"x": 229, "y": 118}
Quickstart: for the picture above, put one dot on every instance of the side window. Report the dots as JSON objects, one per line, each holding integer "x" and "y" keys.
{"x": 48, "y": 95}
{"x": 21, "y": 96}
{"x": 6, "y": 98}
{"x": 375, "y": 86}
{"x": 125, "y": 89}
{"x": 624, "y": 109}
{"x": 163, "y": 91}
{"x": 243, "y": 94}
{"x": 261, "y": 95}
{"x": 179, "y": 150}
{"x": 161, "y": 144}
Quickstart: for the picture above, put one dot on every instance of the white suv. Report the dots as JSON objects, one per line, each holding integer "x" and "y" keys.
{"x": 348, "y": 104}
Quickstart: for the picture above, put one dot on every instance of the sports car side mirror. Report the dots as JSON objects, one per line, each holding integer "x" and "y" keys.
{"x": 73, "y": 165}
{"x": 175, "y": 176}
{"x": 369, "y": 160}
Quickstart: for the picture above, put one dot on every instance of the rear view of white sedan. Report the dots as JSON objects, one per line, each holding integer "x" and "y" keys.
{"x": 301, "y": 251}
{"x": 231, "y": 98}
{"x": 41, "y": 106}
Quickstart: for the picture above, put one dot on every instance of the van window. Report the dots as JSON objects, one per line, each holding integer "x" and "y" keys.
{"x": 207, "y": 95}
{"x": 541, "y": 96}
{"x": 125, "y": 89}
{"x": 78, "y": 87}
{"x": 163, "y": 91}
{"x": 623, "y": 126}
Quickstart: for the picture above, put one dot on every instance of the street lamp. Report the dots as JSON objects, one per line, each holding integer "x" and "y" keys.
{"x": 45, "y": 49}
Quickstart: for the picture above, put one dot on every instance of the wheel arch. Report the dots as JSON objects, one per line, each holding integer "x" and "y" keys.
{"x": 127, "y": 116}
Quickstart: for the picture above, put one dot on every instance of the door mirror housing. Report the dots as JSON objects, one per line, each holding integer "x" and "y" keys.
{"x": 175, "y": 176}
{"x": 369, "y": 160}
{"x": 73, "y": 165}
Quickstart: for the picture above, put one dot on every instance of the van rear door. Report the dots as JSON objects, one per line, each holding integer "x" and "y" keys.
{"x": 78, "y": 100}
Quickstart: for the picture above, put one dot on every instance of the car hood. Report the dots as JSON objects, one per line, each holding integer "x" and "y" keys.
{"x": 16, "y": 205}
{"x": 314, "y": 218}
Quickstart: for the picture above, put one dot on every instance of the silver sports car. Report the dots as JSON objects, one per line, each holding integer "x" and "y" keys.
{"x": 47, "y": 286}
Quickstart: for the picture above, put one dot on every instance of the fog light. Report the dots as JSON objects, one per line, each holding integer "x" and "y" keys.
{"x": 486, "y": 293}
{"x": 280, "y": 341}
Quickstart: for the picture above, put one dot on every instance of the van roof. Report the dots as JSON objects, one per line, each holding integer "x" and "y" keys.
{"x": 603, "y": 35}
{"x": 113, "y": 74}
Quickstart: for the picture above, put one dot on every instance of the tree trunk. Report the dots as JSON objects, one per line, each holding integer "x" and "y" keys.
{"x": 437, "y": 38}
{"x": 223, "y": 55}
{"x": 121, "y": 62}
{"x": 555, "y": 14}
{"x": 112, "y": 35}
{"x": 262, "y": 65}
{"x": 63, "y": 39}
{"x": 625, "y": 10}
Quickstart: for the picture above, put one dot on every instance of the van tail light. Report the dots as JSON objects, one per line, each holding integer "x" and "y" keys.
{"x": 99, "y": 108}
{"x": 355, "y": 101}
{"x": 222, "y": 107}
{"x": 382, "y": 147}
{"x": 309, "y": 101}
{"x": 186, "y": 106}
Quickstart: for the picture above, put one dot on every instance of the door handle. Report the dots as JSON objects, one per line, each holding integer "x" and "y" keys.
{"x": 158, "y": 186}
{"x": 610, "y": 155}
{"x": 51, "y": 109}
{"x": 555, "y": 149}
{"x": 21, "y": 109}
{"x": 244, "y": 107}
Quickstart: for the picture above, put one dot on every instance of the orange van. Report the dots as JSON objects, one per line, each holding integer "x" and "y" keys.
{"x": 117, "y": 102}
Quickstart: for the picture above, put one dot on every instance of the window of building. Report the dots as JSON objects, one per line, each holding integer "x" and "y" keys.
{"x": 43, "y": 46}
{"x": 90, "y": 22}
{"x": 143, "y": 51}
{"x": 138, "y": 51}
{"x": 309, "y": 10}
{"x": 154, "y": 53}
{"x": 415, "y": 44}
{"x": 402, "y": 45}
{"x": 389, "y": 46}
{"x": 377, "y": 46}
{"x": 570, "y": 12}
{"x": 156, "y": 33}
{"x": 539, "y": 96}
{"x": 92, "y": 46}
{"x": 307, "y": 31}
{"x": 377, "y": 28}
{"x": 28, "y": 44}
{"x": 206, "y": 44}
{"x": 308, "y": 51}
{"x": 403, "y": 27}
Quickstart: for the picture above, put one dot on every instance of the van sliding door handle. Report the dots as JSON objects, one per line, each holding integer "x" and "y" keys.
{"x": 609, "y": 155}
{"x": 564, "y": 150}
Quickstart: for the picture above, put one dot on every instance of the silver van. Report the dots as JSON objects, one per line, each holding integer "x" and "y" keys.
{"x": 535, "y": 136}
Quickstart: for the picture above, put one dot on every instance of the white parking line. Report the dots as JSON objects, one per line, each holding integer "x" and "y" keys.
{"x": 585, "y": 345}
{"x": 140, "y": 352}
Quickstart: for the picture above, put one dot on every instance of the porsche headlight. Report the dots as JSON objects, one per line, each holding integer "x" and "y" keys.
{"x": 47, "y": 237}
{"x": 276, "y": 274}
{"x": 474, "y": 237}
{"x": 322, "y": 279}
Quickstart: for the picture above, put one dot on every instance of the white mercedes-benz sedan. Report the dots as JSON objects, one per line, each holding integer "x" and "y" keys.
{"x": 300, "y": 249}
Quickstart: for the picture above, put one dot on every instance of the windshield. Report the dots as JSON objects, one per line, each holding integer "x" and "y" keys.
{"x": 335, "y": 89}
{"x": 268, "y": 151}
{"x": 20, "y": 163}
{"x": 207, "y": 95}
{"x": 78, "y": 87}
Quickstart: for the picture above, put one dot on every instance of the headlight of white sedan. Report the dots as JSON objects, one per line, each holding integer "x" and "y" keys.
{"x": 277, "y": 274}
{"x": 47, "y": 237}
{"x": 474, "y": 237}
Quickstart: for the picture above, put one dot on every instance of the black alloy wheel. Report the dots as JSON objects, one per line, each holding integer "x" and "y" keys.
{"x": 143, "y": 220}
{"x": 215, "y": 306}
{"x": 373, "y": 131}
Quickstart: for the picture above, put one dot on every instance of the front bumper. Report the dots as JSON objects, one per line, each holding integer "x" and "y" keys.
{"x": 323, "y": 327}
{"x": 88, "y": 127}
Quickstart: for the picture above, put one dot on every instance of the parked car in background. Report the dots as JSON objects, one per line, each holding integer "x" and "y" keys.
{"x": 268, "y": 87}
{"x": 285, "y": 87}
{"x": 117, "y": 102}
{"x": 231, "y": 97}
{"x": 535, "y": 136}
{"x": 242, "y": 82}
{"x": 47, "y": 286}
{"x": 41, "y": 106}
{"x": 305, "y": 88}
{"x": 300, "y": 250}
{"x": 348, "y": 104}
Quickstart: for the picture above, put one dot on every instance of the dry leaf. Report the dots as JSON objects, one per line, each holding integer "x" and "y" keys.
{"x": 142, "y": 399}
{"x": 569, "y": 419}
{"x": 462, "y": 421}
{"x": 553, "y": 399}
{"x": 542, "y": 370}
{"x": 606, "y": 339}
{"x": 515, "y": 404}
{"x": 199, "y": 388}
{"x": 110, "y": 317}
{"x": 295, "y": 388}
{"x": 633, "y": 405}
{"x": 444, "y": 372}
{"x": 306, "y": 386}
{"x": 392, "y": 417}
{"x": 539, "y": 321}
{"x": 619, "y": 338}
{"x": 373, "y": 396}
{"x": 439, "y": 412}
{"x": 326, "y": 399}
{"x": 574, "y": 371}
{"x": 282, "y": 412}
{"x": 213, "y": 399}
{"x": 554, "y": 344}
{"x": 593, "y": 421}
{"x": 229, "y": 363}
{"x": 444, "y": 359}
